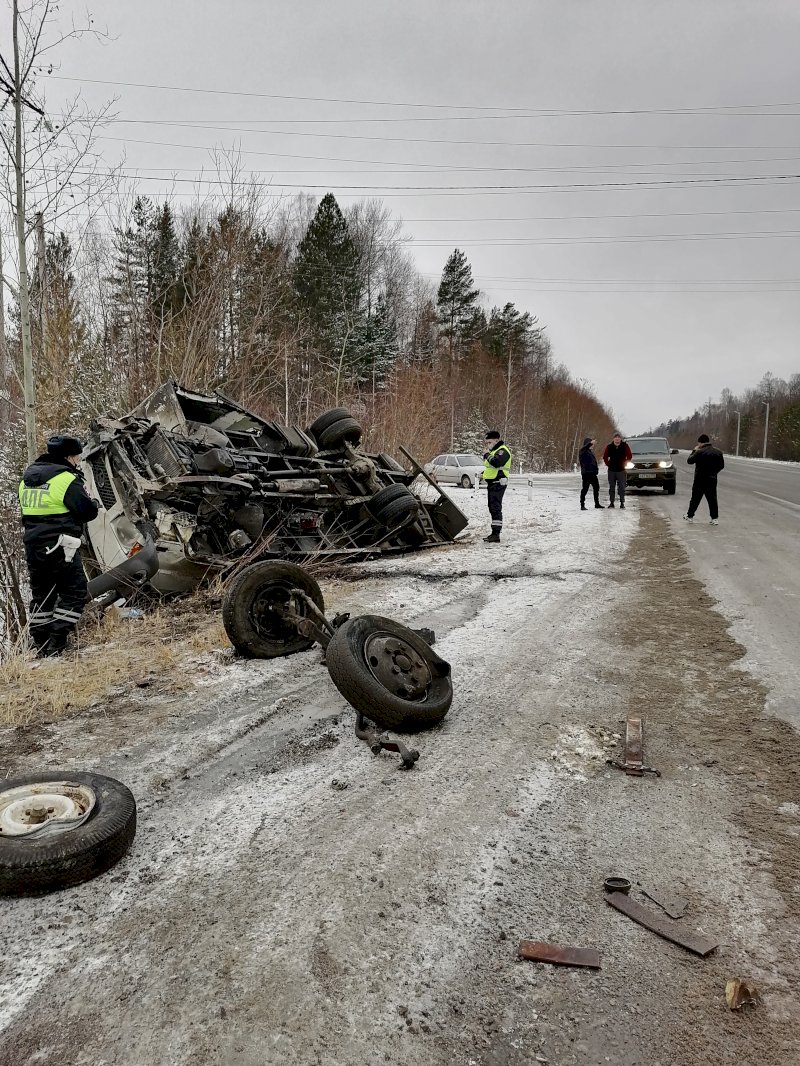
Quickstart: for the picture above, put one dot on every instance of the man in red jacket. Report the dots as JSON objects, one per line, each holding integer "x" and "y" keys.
{"x": 616, "y": 456}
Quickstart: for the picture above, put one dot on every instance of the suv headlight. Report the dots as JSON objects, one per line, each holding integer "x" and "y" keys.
{"x": 629, "y": 466}
{"x": 665, "y": 464}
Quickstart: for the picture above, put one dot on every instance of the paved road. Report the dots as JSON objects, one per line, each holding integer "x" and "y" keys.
{"x": 750, "y": 563}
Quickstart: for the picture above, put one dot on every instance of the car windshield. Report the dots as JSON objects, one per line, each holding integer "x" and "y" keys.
{"x": 649, "y": 446}
{"x": 470, "y": 460}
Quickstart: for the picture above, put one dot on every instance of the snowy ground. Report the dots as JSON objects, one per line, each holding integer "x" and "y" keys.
{"x": 291, "y": 898}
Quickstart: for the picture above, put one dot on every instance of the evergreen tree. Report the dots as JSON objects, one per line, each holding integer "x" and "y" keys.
{"x": 326, "y": 279}
{"x": 460, "y": 318}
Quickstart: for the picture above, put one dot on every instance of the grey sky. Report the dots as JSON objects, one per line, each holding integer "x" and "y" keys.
{"x": 651, "y": 354}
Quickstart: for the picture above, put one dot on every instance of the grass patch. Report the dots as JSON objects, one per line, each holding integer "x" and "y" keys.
{"x": 113, "y": 656}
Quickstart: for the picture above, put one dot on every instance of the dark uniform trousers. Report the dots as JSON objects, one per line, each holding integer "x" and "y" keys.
{"x": 58, "y": 594}
{"x": 590, "y": 481}
{"x": 707, "y": 487}
{"x": 496, "y": 493}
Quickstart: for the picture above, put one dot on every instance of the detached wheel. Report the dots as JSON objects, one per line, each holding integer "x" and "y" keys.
{"x": 253, "y": 610}
{"x": 393, "y": 505}
{"x": 61, "y": 828}
{"x": 344, "y": 431}
{"x": 389, "y": 673}
{"x": 327, "y": 419}
{"x": 466, "y": 482}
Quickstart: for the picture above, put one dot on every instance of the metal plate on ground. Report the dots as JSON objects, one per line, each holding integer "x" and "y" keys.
{"x": 675, "y": 906}
{"x": 537, "y": 951}
{"x": 656, "y": 923}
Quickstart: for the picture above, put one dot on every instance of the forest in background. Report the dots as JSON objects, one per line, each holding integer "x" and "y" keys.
{"x": 772, "y": 431}
{"x": 290, "y": 307}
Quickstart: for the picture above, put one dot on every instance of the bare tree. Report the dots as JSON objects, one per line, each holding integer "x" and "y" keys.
{"x": 51, "y": 166}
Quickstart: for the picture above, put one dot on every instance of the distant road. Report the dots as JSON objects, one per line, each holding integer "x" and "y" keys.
{"x": 751, "y": 563}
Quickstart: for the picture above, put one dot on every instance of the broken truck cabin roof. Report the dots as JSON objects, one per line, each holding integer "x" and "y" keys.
{"x": 208, "y": 482}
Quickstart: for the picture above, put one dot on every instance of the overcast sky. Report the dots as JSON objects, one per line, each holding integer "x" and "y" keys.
{"x": 657, "y": 325}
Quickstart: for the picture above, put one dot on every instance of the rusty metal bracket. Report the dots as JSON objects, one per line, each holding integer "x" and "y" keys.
{"x": 634, "y": 751}
{"x": 661, "y": 926}
{"x": 378, "y": 742}
{"x": 537, "y": 951}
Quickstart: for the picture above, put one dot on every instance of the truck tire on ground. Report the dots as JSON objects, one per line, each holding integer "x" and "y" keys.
{"x": 344, "y": 431}
{"x": 42, "y": 863}
{"x": 389, "y": 673}
{"x": 393, "y": 505}
{"x": 327, "y": 419}
{"x": 250, "y": 609}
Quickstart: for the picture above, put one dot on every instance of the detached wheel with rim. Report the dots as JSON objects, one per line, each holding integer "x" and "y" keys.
{"x": 255, "y": 604}
{"x": 389, "y": 673}
{"x": 61, "y": 828}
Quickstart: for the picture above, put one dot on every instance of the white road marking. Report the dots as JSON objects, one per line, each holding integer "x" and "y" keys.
{"x": 777, "y": 499}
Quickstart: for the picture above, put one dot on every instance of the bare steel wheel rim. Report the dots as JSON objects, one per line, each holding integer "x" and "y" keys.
{"x": 49, "y": 806}
{"x": 398, "y": 666}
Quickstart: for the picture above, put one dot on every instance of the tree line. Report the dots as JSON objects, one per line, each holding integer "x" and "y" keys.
{"x": 746, "y": 420}
{"x": 289, "y": 308}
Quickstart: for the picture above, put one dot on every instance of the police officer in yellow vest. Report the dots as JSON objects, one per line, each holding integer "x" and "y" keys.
{"x": 496, "y": 468}
{"x": 55, "y": 507}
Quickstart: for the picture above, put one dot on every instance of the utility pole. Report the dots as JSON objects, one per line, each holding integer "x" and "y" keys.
{"x": 5, "y": 393}
{"x": 24, "y": 291}
{"x": 738, "y": 428}
{"x": 766, "y": 427}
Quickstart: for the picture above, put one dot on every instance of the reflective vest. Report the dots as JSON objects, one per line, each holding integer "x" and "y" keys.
{"x": 46, "y": 500}
{"x": 491, "y": 472}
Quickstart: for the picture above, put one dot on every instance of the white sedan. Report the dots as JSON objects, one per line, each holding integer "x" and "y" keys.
{"x": 458, "y": 469}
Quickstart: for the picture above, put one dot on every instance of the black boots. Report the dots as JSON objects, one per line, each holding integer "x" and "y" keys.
{"x": 493, "y": 538}
{"x": 611, "y": 503}
{"x": 599, "y": 507}
{"x": 583, "y": 506}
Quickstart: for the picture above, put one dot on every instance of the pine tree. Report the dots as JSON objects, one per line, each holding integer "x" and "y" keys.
{"x": 326, "y": 278}
{"x": 457, "y": 304}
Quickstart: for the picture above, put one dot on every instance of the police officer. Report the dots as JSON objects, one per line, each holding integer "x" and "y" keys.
{"x": 55, "y": 508}
{"x": 496, "y": 468}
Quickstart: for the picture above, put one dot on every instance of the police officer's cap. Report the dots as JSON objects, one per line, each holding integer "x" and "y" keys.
{"x": 62, "y": 446}
{"x": 492, "y": 434}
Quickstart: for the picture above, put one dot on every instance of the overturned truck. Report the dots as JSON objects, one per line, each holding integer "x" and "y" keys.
{"x": 207, "y": 483}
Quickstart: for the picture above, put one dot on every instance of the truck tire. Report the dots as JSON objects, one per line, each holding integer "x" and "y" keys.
{"x": 250, "y": 609}
{"x": 393, "y": 505}
{"x": 327, "y": 419}
{"x": 36, "y": 864}
{"x": 389, "y": 673}
{"x": 343, "y": 431}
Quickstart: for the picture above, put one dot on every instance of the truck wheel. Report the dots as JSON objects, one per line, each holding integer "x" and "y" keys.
{"x": 252, "y": 610}
{"x": 327, "y": 419}
{"x": 389, "y": 673}
{"x": 393, "y": 505}
{"x": 40, "y": 851}
{"x": 344, "y": 431}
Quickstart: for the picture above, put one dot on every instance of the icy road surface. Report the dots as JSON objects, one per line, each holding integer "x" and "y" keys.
{"x": 292, "y": 899}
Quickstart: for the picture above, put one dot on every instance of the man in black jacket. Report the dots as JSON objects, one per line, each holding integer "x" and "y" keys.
{"x": 589, "y": 468}
{"x": 55, "y": 508}
{"x": 616, "y": 456}
{"x": 707, "y": 462}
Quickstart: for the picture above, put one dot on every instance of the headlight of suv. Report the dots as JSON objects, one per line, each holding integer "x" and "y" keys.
{"x": 629, "y": 466}
{"x": 665, "y": 465}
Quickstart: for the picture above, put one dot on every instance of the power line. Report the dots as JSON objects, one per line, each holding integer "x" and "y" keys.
{"x": 544, "y": 112}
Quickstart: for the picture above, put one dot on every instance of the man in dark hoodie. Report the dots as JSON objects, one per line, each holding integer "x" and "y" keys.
{"x": 589, "y": 469}
{"x": 55, "y": 508}
{"x": 616, "y": 456}
{"x": 707, "y": 462}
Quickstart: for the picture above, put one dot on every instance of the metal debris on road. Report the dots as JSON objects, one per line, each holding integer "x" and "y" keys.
{"x": 634, "y": 751}
{"x": 674, "y": 906}
{"x": 617, "y": 884}
{"x": 685, "y": 938}
{"x": 537, "y": 951}
{"x": 378, "y": 742}
{"x": 740, "y": 993}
